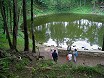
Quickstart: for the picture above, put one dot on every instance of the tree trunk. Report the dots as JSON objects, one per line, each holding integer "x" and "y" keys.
{"x": 103, "y": 44}
{"x": 26, "y": 44}
{"x": 7, "y": 15}
{"x": 10, "y": 20}
{"x": 84, "y": 2}
{"x": 80, "y": 3}
{"x": 32, "y": 28}
{"x": 19, "y": 13}
{"x": 10, "y": 12}
{"x": 5, "y": 22}
{"x": 4, "y": 28}
{"x": 94, "y": 6}
{"x": 15, "y": 27}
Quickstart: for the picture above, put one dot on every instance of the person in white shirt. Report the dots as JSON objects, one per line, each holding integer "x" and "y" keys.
{"x": 69, "y": 57}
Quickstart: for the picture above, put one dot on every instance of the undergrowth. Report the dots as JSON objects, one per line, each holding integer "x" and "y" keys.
{"x": 70, "y": 70}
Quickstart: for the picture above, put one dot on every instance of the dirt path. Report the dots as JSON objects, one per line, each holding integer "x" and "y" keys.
{"x": 81, "y": 60}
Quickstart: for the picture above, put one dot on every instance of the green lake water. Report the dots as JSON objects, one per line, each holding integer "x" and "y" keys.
{"x": 65, "y": 29}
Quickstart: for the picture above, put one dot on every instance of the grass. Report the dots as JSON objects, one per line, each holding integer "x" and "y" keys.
{"x": 82, "y": 10}
{"x": 3, "y": 42}
{"x": 20, "y": 41}
{"x": 66, "y": 71}
{"x": 10, "y": 65}
{"x": 87, "y": 9}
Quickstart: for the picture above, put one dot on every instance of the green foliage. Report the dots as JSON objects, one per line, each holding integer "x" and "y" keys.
{"x": 22, "y": 63}
{"x": 4, "y": 66}
{"x": 69, "y": 70}
{"x": 68, "y": 6}
{"x": 10, "y": 65}
{"x": 3, "y": 41}
{"x": 45, "y": 63}
{"x": 100, "y": 69}
{"x": 84, "y": 69}
{"x": 44, "y": 7}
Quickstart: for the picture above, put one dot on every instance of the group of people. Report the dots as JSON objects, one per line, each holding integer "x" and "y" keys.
{"x": 71, "y": 55}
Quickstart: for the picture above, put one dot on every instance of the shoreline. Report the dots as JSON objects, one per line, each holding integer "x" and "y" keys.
{"x": 86, "y": 58}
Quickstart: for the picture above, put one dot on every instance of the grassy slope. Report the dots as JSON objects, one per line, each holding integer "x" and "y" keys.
{"x": 48, "y": 69}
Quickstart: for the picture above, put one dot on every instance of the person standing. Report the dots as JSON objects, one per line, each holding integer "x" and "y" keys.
{"x": 75, "y": 54}
{"x": 69, "y": 49}
{"x": 51, "y": 51}
{"x": 55, "y": 56}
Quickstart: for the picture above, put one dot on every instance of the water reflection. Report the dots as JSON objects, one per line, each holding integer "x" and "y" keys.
{"x": 76, "y": 31}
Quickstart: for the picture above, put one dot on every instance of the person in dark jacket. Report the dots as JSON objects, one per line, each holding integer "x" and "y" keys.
{"x": 55, "y": 56}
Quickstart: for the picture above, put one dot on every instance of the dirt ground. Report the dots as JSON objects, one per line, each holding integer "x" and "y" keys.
{"x": 81, "y": 59}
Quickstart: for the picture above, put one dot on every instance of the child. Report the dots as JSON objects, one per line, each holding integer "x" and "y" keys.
{"x": 69, "y": 57}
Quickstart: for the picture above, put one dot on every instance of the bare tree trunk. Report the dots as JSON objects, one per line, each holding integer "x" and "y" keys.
{"x": 4, "y": 28}
{"x": 5, "y": 22}
{"x": 26, "y": 44}
{"x": 19, "y": 12}
{"x": 80, "y": 3}
{"x": 32, "y": 28}
{"x": 103, "y": 44}
{"x": 84, "y": 2}
{"x": 94, "y": 6}
{"x": 10, "y": 12}
{"x": 15, "y": 20}
{"x": 10, "y": 20}
{"x": 7, "y": 15}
